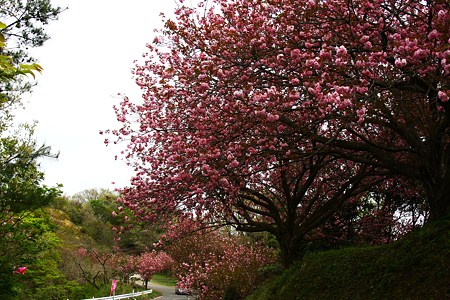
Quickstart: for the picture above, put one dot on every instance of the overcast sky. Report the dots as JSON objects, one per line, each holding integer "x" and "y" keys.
{"x": 87, "y": 62}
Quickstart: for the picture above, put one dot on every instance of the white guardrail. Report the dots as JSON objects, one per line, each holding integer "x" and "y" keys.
{"x": 123, "y": 296}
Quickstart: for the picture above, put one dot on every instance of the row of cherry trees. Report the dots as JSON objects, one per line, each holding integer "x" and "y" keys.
{"x": 97, "y": 267}
{"x": 273, "y": 115}
{"x": 209, "y": 264}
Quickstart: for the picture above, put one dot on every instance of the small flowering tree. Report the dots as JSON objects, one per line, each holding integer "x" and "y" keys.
{"x": 124, "y": 265}
{"x": 150, "y": 263}
{"x": 95, "y": 267}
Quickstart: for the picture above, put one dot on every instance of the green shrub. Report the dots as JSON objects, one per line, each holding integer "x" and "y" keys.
{"x": 415, "y": 267}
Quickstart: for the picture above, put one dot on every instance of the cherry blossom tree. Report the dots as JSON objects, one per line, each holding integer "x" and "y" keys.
{"x": 268, "y": 115}
{"x": 388, "y": 62}
{"x": 95, "y": 267}
{"x": 150, "y": 263}
{"x": 124, "y": 265}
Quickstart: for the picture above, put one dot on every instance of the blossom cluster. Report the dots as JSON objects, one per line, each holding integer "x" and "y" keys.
{"x": 213, "y": 263}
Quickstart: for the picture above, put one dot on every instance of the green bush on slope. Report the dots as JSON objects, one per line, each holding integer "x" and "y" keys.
{"x": 415, "y": 267}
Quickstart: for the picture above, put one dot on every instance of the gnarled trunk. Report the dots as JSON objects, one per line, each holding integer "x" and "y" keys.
{"x": 436, "y": 178}
{"x": 292, "y": 247}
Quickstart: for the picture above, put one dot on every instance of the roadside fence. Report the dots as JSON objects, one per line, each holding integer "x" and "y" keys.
{"x": 123, "y": 296}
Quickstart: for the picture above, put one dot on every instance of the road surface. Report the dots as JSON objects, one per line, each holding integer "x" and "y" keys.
{"x": 168, "y": 293}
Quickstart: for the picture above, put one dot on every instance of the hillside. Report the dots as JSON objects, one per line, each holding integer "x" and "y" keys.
{"x": 415, "y": 267}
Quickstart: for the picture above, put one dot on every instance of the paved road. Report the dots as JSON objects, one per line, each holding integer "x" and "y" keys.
{"x": 168, "y": 293}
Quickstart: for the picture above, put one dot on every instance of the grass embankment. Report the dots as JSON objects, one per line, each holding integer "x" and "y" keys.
{"x": 415, "y": 267}
{"x": 163, "y": 279}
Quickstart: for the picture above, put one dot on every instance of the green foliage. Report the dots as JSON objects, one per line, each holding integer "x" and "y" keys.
{"x": 96, "y": 211}
{"x": 93, "y": 210}
{"x": 271, "y": 270}
{"x": 29, "y": 241}
{"x": 44, "y": 280}
{"x": 27, "y": 235}
{"x": 24, "y": 233}
{"x": 23, "y": 22}
{"x": 20, "y": 178}
{"x": 10, "y": 74}
{"x": 8, "y": 71}
{"x": 71, "y": 208}
{"x": 139, "y": 238}
{"x": 415, "y": 267}
{"x": 27, "y": 20}
{"x": 231, "y": 293}
{"x": 21, "y": 185}
{"x": 96, "y": 228}
{"x": 93, "y": 213}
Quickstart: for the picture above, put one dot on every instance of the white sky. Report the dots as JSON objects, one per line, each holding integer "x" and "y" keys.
{"x": 87, "y": 62}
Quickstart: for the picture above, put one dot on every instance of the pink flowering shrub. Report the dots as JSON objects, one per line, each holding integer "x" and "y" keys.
{"x": 212, "y": 264}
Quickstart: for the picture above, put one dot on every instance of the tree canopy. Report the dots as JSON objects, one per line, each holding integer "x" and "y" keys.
{"x": 23, "y": 25}
{"x": 270, "y": 115}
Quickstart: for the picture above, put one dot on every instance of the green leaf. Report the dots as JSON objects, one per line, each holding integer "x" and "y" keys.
{"x": 2, "y": 37}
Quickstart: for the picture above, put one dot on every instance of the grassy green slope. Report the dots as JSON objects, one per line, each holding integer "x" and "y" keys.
{"x": 163, "y": 279}
{"x": 415, "y": 267}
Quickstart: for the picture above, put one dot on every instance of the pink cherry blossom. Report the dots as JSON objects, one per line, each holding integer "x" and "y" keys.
{"x": 249, "y": 103}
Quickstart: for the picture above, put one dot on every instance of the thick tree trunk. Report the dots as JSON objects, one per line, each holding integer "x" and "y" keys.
{"x": 436, "y": 178}
{"x": 439, "y": 200}
{"x": 291, "y": 248}
{"x": 286, "y": 253}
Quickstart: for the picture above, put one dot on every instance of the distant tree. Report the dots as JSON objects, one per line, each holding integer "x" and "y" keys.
{"x": 124, "y": 266}
{"x": 92, "y": 210}
{"x": 150, "y": 263}
{"x": 103, "y": 202}
{"x": 94, "y": 266}
{"x": 104, "y": 206}
{"x": 90, "y": 195}
{"x": 98, "y": 214}
{"x": 137, "y": 238}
